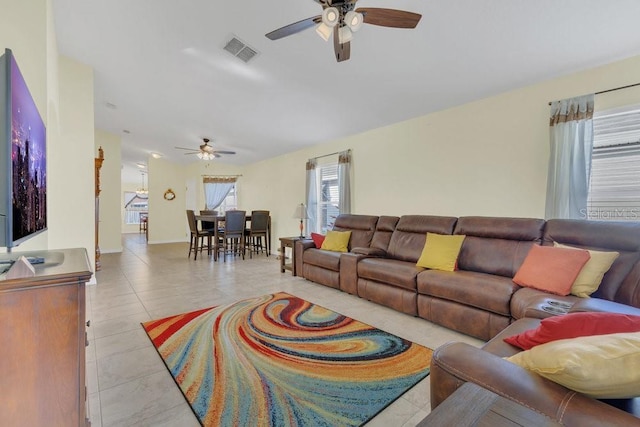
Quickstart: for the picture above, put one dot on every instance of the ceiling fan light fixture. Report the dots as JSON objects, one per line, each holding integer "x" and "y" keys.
{"x": 344, "y": 35}
{"x": 330, "y": 16}
{"x": 324, "y": 31}
{"x": 354, "y": 20}
{"x": 205, "y": 156}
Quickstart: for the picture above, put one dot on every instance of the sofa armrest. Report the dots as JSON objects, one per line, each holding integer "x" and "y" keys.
{"x": 453, "y": 364}
{"x": 597, "y": 304}
{"x": 349, "y": 272}
{"x": 301, "y": 246}
{"x": 370, "y": 252}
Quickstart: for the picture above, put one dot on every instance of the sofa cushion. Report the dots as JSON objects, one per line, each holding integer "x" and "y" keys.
{"x": 497, "y": 245}
{"x": 600, "y": 366}
{"x": 384, "y": 230}
{"x": 440, "y": 252}
{"x": 574, "y": 325}
{"x": 407, "y": 240}
{"x": 551, "y": 269}
{"x": 485, "y": 291}
{"x": 389, "y": 271}
{"x": 591, "y": 275}
{"x": 321, "y": 258}
{"x": 337, "y": 241}
{"x": 362, "y": 228}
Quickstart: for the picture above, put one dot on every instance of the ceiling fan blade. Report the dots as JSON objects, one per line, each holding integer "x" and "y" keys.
{"x": 182, "y": 148}
{"x": 342, "y": 50}
{"x": 296, "y": 27}
{"x": 389, "y": 17}
{"x": 223, "y": 152}
{"x": 193, "y": 152}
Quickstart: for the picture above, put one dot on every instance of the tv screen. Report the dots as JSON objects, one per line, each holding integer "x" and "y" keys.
{"x": 23, "y": 167}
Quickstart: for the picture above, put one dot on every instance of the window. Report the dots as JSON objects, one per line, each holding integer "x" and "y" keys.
{"x": 328, "y": 190}
{"x": 329, "y": 199}
{"x": 614, "y": 190}
{"x": 220, "y": 193}
{"x": 134, "y": 206}
{"x": 230, "y": 202}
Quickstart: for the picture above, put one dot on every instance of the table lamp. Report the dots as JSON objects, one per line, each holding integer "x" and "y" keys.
{"x": 301, "y": 213}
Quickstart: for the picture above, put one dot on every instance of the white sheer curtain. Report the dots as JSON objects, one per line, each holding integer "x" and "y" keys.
{"x": 344, "y": 181}
{"x": 312, "y": 196}
{"x": 571, "y": 138}
{"x": 216, "y": 189}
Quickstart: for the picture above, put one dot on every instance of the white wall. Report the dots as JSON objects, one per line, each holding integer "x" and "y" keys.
{"x": 111, "y": 192}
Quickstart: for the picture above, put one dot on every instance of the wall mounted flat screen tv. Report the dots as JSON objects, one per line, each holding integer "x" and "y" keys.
{"x": 23, "y": 158}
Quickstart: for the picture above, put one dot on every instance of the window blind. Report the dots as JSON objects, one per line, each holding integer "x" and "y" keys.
{"x": 614, "y": 192}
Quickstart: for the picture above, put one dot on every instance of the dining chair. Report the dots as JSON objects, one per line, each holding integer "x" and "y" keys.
{"x": 208, "y": 225}
{"x": 231, "y": 238}
{"x": 196, "y": 242}
{"x": 258, "y": 229}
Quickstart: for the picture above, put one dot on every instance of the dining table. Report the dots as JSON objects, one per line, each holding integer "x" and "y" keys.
{"x": 216, "y": 219}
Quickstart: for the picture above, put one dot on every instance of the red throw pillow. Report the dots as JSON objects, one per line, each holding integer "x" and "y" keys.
{"x": 551, "y": 269}
{"x": 317, "y": 239}
{"x": 575, "y": 325}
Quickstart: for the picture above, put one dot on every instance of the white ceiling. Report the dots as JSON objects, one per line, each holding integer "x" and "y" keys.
{"x": 162, "y": 65}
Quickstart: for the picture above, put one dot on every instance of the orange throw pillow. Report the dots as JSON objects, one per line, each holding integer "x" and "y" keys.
{"x": 551, "y": 269}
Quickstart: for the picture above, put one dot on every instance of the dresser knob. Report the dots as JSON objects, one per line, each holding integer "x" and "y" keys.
{"x": 88, "y": 322}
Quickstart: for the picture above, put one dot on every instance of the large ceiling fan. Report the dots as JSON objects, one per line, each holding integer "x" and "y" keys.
{"x": 341, "y": 18}
{"x": 206, "y": 152}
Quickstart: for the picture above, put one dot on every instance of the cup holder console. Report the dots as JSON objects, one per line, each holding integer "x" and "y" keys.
{"x": 556, "y": 307}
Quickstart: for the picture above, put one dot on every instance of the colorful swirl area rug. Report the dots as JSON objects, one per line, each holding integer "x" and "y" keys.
{"x": 278, "y": 360}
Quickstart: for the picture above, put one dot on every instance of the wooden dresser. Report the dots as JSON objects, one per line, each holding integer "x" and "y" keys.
{"x": 43, "y": 340}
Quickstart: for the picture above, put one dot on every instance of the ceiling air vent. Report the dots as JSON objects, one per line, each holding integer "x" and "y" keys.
{"x": 240, "y": 50}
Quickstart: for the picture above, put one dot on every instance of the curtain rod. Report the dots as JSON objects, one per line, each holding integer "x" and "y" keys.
{"x": 219, "y": 176}
{"x": 614, "y": 89}
{"x": 330, "y": 154}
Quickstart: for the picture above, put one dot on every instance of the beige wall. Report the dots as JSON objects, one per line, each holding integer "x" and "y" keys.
{"x": 71, "y": 188}
{"x": 111, "y": 192}
{"x": 484, "y": 158}
{"x": 16, "y": 20}
{"x": 63, "y": 92}
{"x": 167, "y": 219}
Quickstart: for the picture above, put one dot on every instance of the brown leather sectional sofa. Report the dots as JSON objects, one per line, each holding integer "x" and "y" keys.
{"x": 480, "y": 299}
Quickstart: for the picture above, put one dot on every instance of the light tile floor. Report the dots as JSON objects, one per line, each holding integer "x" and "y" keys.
{"x": 128, "y": 384}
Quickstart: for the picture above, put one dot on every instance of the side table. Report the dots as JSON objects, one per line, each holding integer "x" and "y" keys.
{"x": 472, "y": 405}
{"x": 288, "y": 242}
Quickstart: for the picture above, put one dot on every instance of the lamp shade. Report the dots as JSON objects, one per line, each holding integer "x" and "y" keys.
{"x": 300, "y": 212}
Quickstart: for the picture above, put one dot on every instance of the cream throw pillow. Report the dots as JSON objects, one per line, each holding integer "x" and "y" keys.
{"x": 600, "y": 366}
{"x": 591, "y": 275}
{"x": 441, "y": 251}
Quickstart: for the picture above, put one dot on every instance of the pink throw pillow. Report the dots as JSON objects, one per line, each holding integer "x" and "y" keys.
{"x": 551, "y": 269}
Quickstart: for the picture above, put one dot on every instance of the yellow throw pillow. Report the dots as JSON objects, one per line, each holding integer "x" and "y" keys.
{"x": 337, "y": 241}
{"x": 592, "y": 272}
{"x": 441, "y": 251}
{"x": 600, "y": 366}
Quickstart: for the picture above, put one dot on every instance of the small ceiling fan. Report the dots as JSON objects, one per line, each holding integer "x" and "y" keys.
{"x": 342, "y": 19}
{"x": 206, "y": 152}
